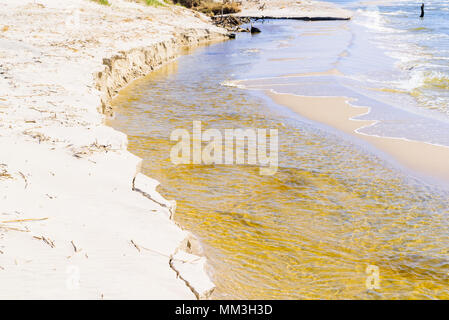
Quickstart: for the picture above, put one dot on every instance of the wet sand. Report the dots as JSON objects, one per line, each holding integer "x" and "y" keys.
{"x": 424, "y": 158}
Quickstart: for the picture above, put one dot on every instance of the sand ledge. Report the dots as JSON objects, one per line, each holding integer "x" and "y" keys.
{"x": 71, "y": 222}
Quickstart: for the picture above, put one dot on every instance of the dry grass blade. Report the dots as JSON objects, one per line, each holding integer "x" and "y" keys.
{"x": 23, "y": 220}
{"x": 2, "y": 226}
{"x": 24, "y": 178}
{"x": 135, "y": 245}
{"x": 46, "y": 240}
{"x": 74, "y": 246}
{"x": 4, "y": 174}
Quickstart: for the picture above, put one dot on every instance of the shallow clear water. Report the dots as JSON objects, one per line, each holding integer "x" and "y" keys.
{"x": 332, "y": 209}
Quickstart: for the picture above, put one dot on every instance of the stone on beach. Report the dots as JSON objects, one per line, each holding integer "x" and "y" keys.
{"x": 255, "y": 30}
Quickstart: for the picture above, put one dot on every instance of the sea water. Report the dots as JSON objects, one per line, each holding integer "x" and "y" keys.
{"x": 336, "y": 221}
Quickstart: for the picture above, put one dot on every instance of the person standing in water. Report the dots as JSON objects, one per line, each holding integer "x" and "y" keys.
{"x": 422, "y": 11}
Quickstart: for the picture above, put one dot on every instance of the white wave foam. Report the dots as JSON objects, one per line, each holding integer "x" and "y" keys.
{"x": 232, "y": 83}
{"x": 416, "y": 80}
{"x": 374, "y": 20}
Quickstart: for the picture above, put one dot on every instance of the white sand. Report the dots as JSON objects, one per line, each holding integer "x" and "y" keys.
{"x": 58, "y": 162}
{"x": 292, "y": 9}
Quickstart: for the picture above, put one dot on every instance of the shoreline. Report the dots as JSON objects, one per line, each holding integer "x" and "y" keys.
{"x": 421, "y": 157}
{"x": 78, "y": 220}
{"x": 330, "y": 202}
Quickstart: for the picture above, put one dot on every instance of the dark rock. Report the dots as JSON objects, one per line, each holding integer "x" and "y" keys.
{"x": 255, "y": 30}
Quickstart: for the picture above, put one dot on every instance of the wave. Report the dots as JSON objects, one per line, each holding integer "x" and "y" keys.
{"x": 436, "y": 79}
{"x": 232, "y": 83}
{"x": 397, "y": 13}
{"x": 426, "y": 79}
{"x": 374, "y": 20}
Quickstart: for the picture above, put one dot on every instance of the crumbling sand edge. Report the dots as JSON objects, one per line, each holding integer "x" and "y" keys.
{"x": 72, "y": 225}
{"x": 126, "y": 66}
{"x": 121, "y": 69}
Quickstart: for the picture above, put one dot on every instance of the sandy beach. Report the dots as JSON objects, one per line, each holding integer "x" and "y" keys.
{"x": 77, "y": 220}
{"x": 92, "y": 206}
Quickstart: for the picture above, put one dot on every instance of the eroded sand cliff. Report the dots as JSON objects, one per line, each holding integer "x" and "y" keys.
{"x": 77, "y": 220}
